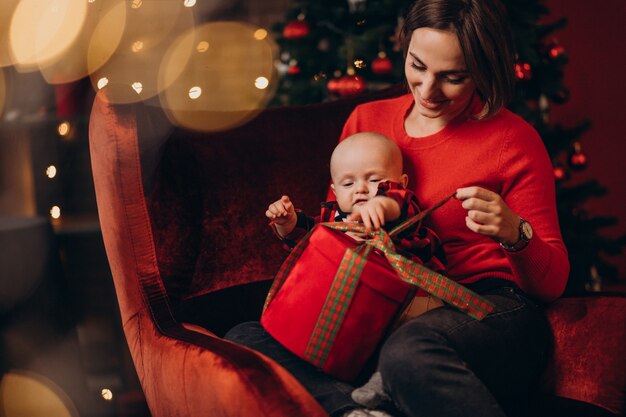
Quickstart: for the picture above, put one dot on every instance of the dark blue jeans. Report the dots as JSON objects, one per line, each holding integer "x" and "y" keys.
{"x": 442, "y": 363}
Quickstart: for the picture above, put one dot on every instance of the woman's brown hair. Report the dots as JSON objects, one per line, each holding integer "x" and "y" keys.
{"x": 486, "y": 41}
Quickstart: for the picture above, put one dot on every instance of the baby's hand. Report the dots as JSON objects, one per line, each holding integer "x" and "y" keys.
{"x": 376, "y": 212}
{"x": 281, "y": 211}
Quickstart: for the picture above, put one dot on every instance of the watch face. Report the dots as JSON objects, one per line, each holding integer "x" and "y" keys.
{"x": 527, "y": 230}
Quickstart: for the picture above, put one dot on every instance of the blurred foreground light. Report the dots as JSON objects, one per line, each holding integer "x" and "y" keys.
{"x": 51, "y": 171}
{"x": 41, "y": 31}
{"x": 95, "y": 44}
{"x": 137, "y": 86}
{"x": 261, "y": 83}
{"x": 195, "y": 92}
{"x": 55, "y": 212}
{"x": 3, "y": 91}
{"x": 28, "y": 394}
{"x": 148, "y": 33}
{"x": 235, "y": 76}
{"x": 7, "y": 8}
{"x": 260, "y": 34}
{"x": 203, "y": 46}
{"x": 102, "y": 82}
{"x": 63, "y": 129}
{"x": 190, "y": 3}
{"x": 107, "y": 394}
{"x": 137, "y": 46}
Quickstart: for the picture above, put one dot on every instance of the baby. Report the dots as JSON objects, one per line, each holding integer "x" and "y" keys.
{"x": 364, "y": 168}
{"x": 369, "y": 186}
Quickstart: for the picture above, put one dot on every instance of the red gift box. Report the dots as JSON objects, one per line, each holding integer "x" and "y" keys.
{"x": 334, "y": 298}
{"x": 293, "y": 313}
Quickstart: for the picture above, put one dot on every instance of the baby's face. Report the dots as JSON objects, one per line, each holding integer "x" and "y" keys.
{"x": 357, "y": 172}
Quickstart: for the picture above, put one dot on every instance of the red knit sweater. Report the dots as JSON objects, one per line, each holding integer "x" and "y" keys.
{"x": 503, "y": 154}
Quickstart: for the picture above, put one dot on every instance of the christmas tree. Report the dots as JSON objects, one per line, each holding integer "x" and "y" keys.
{"x": 331, "y": 49}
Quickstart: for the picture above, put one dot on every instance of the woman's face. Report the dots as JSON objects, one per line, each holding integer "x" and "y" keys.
{"x": 437, "y": 75}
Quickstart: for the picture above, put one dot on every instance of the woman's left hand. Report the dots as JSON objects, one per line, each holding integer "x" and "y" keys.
{"x": 489, "y": 215}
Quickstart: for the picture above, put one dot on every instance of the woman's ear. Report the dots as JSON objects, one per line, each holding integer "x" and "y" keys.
{"x": 404, "y": 180}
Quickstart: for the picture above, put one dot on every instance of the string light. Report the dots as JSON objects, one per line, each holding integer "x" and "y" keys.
{"x": 195, "y": 92}
{"x": 261, "y": 83}
{"x": 189, "y": 3}
{"x": 137, "y": 46}
{"x": 137, "y": 86}
{"x": 55, "y": 212}
{"x": 64, "y": 128}
{"x": 102, "y": 82}
{"x": 260, "y": 34}
{"x": 107, "y": 394}
{"x": 51, "y": 171}
{"x": 203, "y": 46}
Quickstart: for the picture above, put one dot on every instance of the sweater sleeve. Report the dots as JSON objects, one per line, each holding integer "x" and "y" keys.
{"x": 542, "y": 267}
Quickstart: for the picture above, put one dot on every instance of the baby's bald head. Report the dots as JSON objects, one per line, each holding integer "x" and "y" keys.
{"x": 371, "y": 144}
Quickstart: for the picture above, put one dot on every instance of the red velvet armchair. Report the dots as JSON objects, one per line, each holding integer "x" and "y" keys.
{"x": 191, "y": 255}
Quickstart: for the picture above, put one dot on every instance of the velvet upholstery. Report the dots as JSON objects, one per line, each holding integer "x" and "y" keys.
{"x": 182, "y": 220}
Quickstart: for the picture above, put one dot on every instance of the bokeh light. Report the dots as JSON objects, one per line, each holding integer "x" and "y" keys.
{"x": 107, "y": 394}
{"x": 41, "y": 31}
{"x": 228, "y": 83}
{"x": 195, "y": 92}
{"x": 7, "y": 7}
{"x": 3, "y": 91}
{"x": 150, "y": 29}
{"x": 95, "y": 44}
{"x": 203, "y": 46}
{"x": 55, "y": 212}
{"x": 102, "y": 82}
{"x": 51, "y": 171}
{"x": 260, "y": 34}
{"x": 28, "y": 394}
{"x": 106, "y": 35}
{"x": 261, "y": 83}
{"x": 64, "y": 128}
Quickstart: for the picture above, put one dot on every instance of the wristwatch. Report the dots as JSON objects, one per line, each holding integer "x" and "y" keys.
{"x": 525, "y": 234}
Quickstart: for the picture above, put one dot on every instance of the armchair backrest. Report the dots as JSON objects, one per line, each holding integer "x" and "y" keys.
{"x": 200, "y": 197}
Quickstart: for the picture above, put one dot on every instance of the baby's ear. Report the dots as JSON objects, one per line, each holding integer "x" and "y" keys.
{"x": 404, "y": 180}
{"x": 332, "y": 187}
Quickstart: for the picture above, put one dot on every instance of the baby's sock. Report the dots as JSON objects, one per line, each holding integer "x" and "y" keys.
{"x": 372, "y": 394}
{"x": 362, "y": 412}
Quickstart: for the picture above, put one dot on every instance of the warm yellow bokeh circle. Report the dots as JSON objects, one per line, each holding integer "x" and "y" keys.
{"x": 150, "y": 29}
{"x": 29, "y": 394}
{"x": 228, "y": 77}
{"x": 95, "y": 44}
{"x": 43, "y": 30}
{"x": 3, "y": 91}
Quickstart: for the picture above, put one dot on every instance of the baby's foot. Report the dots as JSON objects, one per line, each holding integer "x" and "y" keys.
{"x": 372, "y": 394}
{"x": 362, "y": 412}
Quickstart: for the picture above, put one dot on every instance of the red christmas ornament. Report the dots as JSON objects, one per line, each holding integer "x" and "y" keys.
{"x": 333, "y": 86}
{"x": 560, "y": 173}
{"x": 293, "y": 70}
{"x": 523, "y": 71}
{"x": 556, "y": 51}
{"x": 350, "y": 85}
{"x": 382, "y": 65}
{"x": 577, "y": 159}
{"x": 296, "y": 29}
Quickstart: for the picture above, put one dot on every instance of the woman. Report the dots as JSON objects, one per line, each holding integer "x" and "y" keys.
{"x": 501, "y": 237}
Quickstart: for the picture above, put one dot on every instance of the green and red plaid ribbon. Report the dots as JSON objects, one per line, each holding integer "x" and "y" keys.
{"x": 347, "y": 276}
